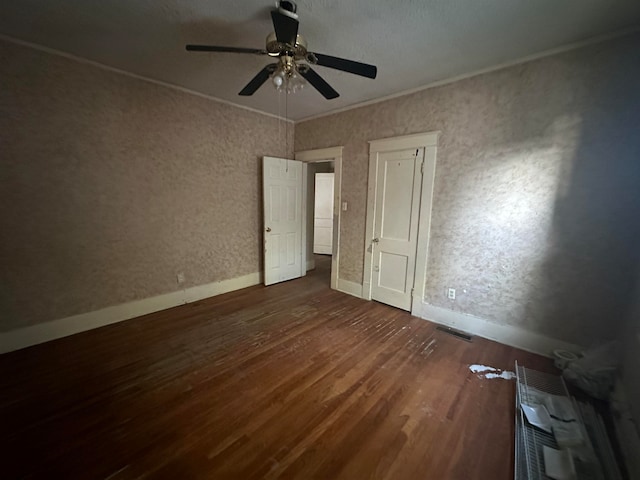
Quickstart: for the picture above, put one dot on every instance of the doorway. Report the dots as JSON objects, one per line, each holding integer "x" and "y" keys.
{"x": 320, "y": 197}
{"x": 400, "y": 190}
{"x": 327, "y": 260}
{"x": 323, "y": 208}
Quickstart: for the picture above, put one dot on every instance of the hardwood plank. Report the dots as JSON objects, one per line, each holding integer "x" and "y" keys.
{"x": 289, "y": 381}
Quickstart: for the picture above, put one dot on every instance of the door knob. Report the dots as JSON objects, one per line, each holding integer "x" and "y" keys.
{"x": 375, "y": 240}
{"x": 268, "y": 229}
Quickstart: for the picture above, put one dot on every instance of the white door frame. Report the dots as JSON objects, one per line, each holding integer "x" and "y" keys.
{"x": 316, "y": 156}
{"x": 428, "y": 141}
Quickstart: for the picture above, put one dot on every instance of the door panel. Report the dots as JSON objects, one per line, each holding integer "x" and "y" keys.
{"x": 395, "y": 229}
{"x": 282, "y": 195}
{"x": 291, "y": 248}
{"x": 393, "y": 271}
{"x": 397, "y": 198}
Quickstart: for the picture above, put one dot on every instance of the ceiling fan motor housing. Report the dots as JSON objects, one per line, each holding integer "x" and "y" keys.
{"x": 275, "y": 48}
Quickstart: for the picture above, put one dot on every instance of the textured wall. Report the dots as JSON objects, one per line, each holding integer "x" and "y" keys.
{"x": 536, "y": 204}
{"x": 112, "y": 185}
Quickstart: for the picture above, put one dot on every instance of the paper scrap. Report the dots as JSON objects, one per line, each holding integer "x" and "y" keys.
{"x": 538, "y": 416}
{"x": 481, "y": 368}
{"x": 481, "y": 371}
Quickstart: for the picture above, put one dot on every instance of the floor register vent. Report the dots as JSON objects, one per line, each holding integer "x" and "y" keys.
{"x": 456, "y": 333}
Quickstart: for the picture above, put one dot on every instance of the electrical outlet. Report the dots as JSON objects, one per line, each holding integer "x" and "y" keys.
{"x": 451, "y": 293}
{"x": 180, "y": 278}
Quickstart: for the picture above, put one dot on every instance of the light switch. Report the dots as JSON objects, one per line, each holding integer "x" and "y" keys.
{"x": 344, "y": 206}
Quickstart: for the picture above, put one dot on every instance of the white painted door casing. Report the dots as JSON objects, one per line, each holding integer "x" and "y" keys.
{"x": 322, "y": 155}
{"x": 282, "y": 200}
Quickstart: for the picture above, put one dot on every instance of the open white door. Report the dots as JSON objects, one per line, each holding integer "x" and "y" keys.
{"x": 282, "y": 192}
{"x": 323, "y": 214}
{"x": 395, "y": 230}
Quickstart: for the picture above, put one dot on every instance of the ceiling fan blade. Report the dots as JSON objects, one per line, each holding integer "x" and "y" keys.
{"x": 350, "y": 66}
{"x": 286, "y": 27}
{"x": 317, "y": 82}
{"x": 213, "y": 48}
{"x": 257, "y": 81}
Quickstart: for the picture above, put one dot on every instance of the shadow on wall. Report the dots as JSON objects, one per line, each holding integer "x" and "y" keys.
{"x": 591, "y": 268}
{"x": 536, "y": 199}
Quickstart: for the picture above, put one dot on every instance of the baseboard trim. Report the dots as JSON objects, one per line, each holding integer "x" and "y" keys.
{"x": 311, "y": 264}
{"x": 506, "y": 334}
{"x": 351, "y": 288}
{"x": 44, "y": 332}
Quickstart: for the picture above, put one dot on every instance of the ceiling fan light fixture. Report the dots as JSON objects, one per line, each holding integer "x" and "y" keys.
{"x": 278, "y": 79}
{"x": 286, "y": 77}
{"x": 289, "y": 82}
{"x": 295, "y": 82}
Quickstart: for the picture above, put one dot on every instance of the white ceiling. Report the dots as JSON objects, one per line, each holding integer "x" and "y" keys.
{"x": 413, "y": 42}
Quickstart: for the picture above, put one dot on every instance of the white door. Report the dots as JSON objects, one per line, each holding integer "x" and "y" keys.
{"x": 282, "y": 192}
{"x": 395, "y": 230}
{"x": 323, "y": 214}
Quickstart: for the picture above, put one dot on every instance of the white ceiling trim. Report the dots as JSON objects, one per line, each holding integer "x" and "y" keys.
{"x": 102, "y": 66}
{"x": 500, "y": 66}
{"x": 446, "y": 81}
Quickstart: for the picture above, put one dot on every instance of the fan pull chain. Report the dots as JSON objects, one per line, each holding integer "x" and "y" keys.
{"x": 286, "y": 128}
{"x": 279, "y": 117}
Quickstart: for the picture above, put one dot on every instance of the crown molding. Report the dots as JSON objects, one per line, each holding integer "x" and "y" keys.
{"x": 438, "y": 83}
{"x": 102, "y": 66}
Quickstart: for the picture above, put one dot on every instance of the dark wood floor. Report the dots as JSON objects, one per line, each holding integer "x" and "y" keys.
{"x": 290, "y": 381}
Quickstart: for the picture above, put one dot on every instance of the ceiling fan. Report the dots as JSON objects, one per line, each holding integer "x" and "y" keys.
{"x": 291, "y": 50}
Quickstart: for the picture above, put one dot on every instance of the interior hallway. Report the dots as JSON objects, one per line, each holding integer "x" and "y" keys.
{"x": 322, "y": 270}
